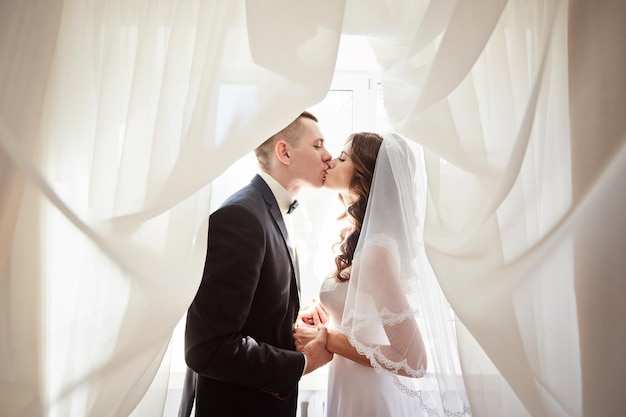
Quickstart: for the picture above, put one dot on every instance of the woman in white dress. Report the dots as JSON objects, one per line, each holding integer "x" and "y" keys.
{"x": 368, "y": 304}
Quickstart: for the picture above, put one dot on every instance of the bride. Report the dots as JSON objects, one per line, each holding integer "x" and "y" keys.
{"x": 368, "y": 303}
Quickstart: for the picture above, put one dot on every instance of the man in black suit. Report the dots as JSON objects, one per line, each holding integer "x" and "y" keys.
{"x": 238, "y": 338}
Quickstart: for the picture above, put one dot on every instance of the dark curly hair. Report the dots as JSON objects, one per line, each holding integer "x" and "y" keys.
{"x": 365, "y": 146}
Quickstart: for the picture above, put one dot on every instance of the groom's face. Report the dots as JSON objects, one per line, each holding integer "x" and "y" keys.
{"x": 310, "y": 156}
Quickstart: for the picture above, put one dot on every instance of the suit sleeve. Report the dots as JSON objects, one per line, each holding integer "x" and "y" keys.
{"x": 215, "y": 344}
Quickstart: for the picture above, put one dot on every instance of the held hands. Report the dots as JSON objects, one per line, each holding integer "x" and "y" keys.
{"x": 311, "y": 342}
{"x": 305, "y": 335}
{"x": 312, "y": 315}
{"x": 310, "y": 335}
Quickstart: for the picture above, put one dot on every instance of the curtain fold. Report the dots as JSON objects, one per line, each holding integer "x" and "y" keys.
{"x": 486, "y": 105}
{"x": 27, "y": 37}
{"x": 115, "y": 116}
{"x": 597, "y": 61}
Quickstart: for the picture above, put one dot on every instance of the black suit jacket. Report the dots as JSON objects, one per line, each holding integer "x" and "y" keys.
{"x": 238, "y": 337}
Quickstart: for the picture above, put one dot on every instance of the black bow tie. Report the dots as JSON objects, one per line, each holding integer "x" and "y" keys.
{"x": 292, "y": 206}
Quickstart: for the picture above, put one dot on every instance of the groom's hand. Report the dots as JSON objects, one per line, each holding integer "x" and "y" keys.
{"x": 315, "y": 351}
{"x": 303, "y": 336}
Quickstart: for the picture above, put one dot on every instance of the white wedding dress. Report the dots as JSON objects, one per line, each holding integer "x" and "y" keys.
{"x": 378, "y": 309}
{"x": 355, "y": 390}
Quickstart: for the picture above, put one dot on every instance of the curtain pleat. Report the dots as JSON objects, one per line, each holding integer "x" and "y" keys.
{"x": 115, "y": 117}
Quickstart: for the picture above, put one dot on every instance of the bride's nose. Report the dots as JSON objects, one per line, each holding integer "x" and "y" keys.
{"x": 332, "y": 163}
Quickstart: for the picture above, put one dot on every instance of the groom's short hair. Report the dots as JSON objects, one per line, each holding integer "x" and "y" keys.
{"x": 290, "y": 134}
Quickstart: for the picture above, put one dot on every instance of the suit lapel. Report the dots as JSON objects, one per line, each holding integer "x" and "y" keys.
{"x": 272, "y": 206}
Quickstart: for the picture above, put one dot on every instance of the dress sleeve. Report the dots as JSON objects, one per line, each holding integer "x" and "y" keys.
{"x": 378, "y": 317}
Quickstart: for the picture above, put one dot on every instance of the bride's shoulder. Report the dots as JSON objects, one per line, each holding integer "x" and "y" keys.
{"x": 380, "y": 239}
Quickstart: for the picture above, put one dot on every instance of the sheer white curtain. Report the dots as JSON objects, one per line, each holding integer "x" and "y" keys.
{"x": 116, "y": 115}
{"x": 486, "y": 94}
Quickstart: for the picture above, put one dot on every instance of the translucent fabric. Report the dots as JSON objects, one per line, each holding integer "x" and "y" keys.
{"x": 393, "y": 307}
{"x": 116, "y": 115}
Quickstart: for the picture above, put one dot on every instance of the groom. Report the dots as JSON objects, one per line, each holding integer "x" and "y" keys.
{"x": 238, "y": 337}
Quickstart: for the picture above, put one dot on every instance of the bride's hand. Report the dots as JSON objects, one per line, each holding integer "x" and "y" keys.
{"x": 313, "y": 314}
{"x": 303, "y": 335}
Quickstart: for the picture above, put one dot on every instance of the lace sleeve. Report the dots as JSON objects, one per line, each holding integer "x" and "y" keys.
{"x": 380, "y": 312}
{"x": 384, "y": 241}
{"x": 384, "y": 326}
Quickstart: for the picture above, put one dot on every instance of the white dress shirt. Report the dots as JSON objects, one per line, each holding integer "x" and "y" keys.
{"x": 284, "y": 200}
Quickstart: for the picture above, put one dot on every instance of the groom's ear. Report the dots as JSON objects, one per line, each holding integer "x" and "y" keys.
{"x": 282, "y": 152}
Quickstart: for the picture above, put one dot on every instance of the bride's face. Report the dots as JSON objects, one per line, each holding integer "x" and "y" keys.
{"x": 339, "y": 175}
